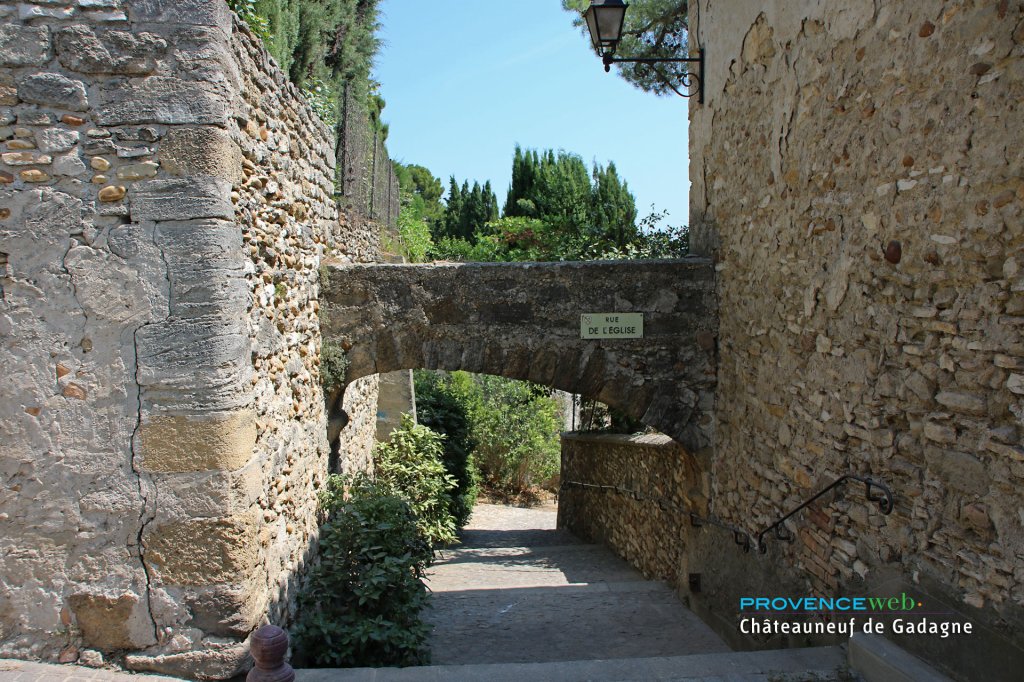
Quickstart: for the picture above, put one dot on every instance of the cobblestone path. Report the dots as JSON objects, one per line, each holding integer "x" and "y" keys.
{"x": 519, "y": 590}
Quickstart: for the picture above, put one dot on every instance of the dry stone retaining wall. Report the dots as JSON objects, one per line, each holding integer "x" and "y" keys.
{"x": 166, "y": 200}
{"x": 857, "y": 175}
{"x": 646, "y": 488}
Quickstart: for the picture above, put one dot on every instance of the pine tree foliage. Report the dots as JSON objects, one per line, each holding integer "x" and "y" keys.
{"x": 468, "y": 210}
{"x": 654, "y": 28}
{"x": 325, "y": 46}
{"x": 330, "y": 39}
{"x": 592, "y": 207}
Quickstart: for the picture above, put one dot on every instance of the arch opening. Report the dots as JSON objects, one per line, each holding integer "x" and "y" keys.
{"x": 522, "y": 321}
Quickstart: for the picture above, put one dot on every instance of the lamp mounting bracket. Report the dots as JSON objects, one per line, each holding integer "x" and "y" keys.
{"x": 688, "y": 80}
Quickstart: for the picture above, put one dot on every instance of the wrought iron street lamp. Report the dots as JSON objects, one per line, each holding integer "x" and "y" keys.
{"x": 605, "y": 19}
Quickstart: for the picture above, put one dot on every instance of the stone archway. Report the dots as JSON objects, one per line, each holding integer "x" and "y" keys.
{"x": 522, "y": 321}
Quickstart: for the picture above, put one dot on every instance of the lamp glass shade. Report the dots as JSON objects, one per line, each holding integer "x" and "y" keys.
{"x": 604, "y": 20}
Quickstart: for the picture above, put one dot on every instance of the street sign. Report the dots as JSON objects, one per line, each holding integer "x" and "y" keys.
{"x": 612, "y": 326}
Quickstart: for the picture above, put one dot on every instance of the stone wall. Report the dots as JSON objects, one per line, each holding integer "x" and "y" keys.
{"x": 522, "y": 321}
{"x": 634, "y": 494}
{"x": 167, "y": 200}
{"x": 397, "y": 396}
{"x": 858, "y": 177}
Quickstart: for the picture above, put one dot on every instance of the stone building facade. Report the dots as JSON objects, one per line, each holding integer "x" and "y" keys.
{"x": 858, "y": 178}
{"x": 167, "y": 199}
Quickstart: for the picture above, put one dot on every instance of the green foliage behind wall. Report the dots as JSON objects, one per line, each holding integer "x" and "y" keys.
{"x": 329, "y": 39}
{"x": 325, "y": 46}
{"x": 444, "y": 407}
{"x": 507, "y": 430}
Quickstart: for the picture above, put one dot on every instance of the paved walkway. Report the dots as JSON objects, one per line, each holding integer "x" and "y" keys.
{"x": 515, "y": 591}
{"x": 518, "y": 590}
{"x": 520, "y": 601}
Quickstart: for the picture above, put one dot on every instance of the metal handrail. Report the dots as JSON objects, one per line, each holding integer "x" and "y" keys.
{"x": 740, "y": 536}
{"x": 885, "y": 505}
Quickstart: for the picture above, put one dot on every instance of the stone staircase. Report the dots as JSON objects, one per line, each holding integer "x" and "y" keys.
{"x": 522, "y": 601}
{"x": 790, "y": 665}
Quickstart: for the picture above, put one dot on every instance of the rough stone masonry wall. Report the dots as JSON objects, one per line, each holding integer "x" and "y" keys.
{"x": 648, "y": 486}
{"x": 858, "y": 175}
{"x": 522, "y": 321}
{"x": 167, "y": 200}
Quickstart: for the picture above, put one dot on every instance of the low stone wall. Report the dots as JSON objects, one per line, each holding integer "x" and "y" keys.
{"x": 633, "y": 494}
{"x": 167, "y": 201}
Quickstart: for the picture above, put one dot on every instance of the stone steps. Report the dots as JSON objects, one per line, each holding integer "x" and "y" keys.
{"x": 787, "y": 665}
{"x": 876, "y": 659}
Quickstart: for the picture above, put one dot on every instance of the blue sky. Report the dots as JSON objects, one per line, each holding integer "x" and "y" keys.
{"x": 466, "y": 80}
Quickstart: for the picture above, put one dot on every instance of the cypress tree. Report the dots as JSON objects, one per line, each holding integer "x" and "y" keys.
{"x": 469, "y": 201}
{"x": 515, "y": 189}
{"x": 453, "y": 209}
{"x": 490, "y": 203}
{"x": 612, "y": 208}
{"x": 521, "y": 198}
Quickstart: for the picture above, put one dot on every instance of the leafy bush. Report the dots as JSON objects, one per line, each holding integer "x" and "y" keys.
{"x": 323, "y": 100}
{"x": 516, "y": 426}
{"x": 246, "y": 10}
{"x": 513, "y": 427}
{"x": 410, "y": 466}
{"x": 362, "y": 602}
{"x": 487, "y": 249}
{"x": 653, "y": 241}
{"x": 441, "y": 407}
{"x": 414, "y": 235}
{"x": 333, "y": 365}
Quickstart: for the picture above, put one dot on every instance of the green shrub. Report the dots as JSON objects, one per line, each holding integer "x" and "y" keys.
{"x": 516, "y": 427}
{"x": 441, "y": 407}
{"x": 333, "y": 365}
{"x": 362, "y": 602}
{"x": 323, "y": 100}
{"x": 513, "y": 428}
{"x": 246, "y": 10}
{"x": 487, "y": 249}
{"x": 414, "y": 235}
{"x": 409, "y": 465}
